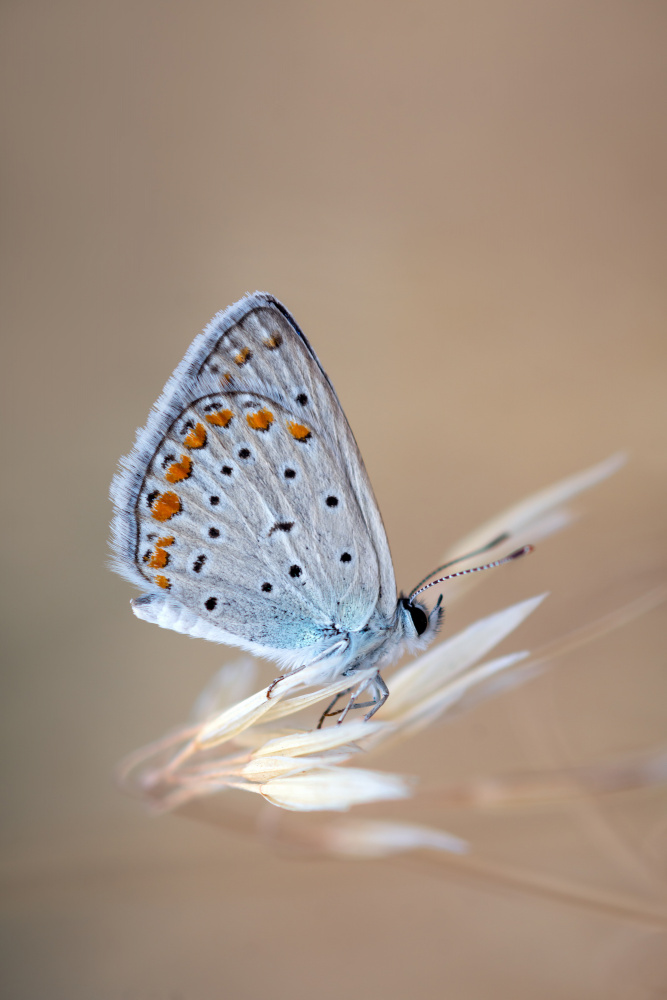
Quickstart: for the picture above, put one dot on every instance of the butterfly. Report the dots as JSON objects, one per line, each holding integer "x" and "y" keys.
{"x": 246, "y": 514}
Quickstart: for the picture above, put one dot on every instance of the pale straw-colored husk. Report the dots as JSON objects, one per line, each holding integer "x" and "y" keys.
{"x": 234, "y": 742}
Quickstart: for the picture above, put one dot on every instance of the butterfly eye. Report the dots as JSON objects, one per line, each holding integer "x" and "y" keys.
{"x": 418, "y": 616}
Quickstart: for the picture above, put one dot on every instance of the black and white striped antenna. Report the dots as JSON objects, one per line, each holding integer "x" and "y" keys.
{"x": 517, "y": 554}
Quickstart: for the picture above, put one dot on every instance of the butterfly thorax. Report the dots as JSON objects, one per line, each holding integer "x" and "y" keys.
{"x": 383, "y": 640}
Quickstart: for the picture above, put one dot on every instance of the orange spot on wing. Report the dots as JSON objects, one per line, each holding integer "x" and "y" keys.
{"x": 244, "y": 355}
{"x": 163, "y": 582}
{"x": 196, "y": 437}
{"x": 165, "y": 506}
{"x": 179, "y": 470}
{"x": 260, "y": 421}
{"x": 298, "y": 431}
{"x": 227, "y": 377}
{"x": 273, "y": 342}
{"x": 220, "y": 419}
{"x": 158, "y": 559}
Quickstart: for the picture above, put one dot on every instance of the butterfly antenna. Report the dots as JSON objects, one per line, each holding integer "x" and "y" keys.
{"x": 470, "y": 555}
{"x": 476, "y": 569}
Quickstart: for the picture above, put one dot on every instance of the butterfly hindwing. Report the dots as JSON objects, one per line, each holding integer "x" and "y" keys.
{"x": 245, "y": 498}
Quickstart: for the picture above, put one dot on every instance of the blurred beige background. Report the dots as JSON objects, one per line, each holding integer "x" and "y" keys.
{"x": 464, "y": 207}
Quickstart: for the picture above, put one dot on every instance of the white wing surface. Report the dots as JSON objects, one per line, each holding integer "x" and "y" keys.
{"x": 245, "y": 504}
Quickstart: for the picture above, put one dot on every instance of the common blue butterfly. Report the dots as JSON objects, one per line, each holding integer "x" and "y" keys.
{"x": 246, "y": 514}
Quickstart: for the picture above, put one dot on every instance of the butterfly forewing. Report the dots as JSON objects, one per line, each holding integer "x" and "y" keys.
{"x": 246, "y": 499}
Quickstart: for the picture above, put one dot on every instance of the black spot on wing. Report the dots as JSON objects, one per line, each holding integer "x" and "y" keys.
{"x": 282, "y": 526}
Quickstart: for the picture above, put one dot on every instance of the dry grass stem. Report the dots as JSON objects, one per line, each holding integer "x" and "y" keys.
{"x": 234, "y": 743}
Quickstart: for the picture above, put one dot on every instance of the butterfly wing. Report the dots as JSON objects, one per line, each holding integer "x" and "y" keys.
{"x": 244, "y": 508}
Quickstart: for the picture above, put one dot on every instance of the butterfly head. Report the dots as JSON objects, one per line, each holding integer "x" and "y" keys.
{"x": 419, "y": 625}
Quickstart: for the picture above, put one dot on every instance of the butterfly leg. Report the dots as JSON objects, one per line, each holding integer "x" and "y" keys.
{"x": 273, "y": 684}
{"x": 322, "y": 658}
{"x": 352, "y": 703}
{"x": 327, "y": 711}
{"x": 380, "y": 692}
